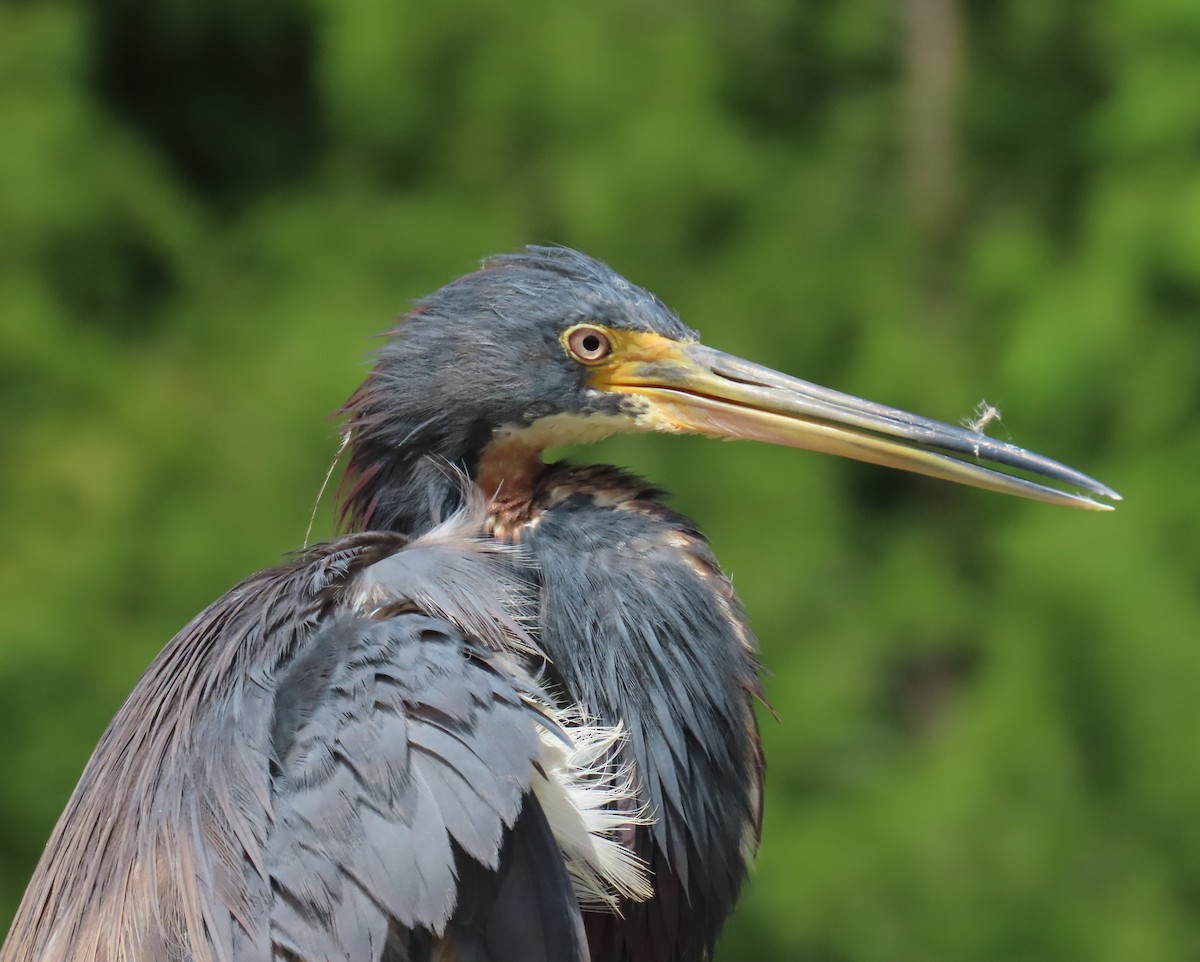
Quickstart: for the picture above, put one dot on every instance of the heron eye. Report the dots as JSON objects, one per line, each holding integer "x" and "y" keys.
{"x": 589, "y": 345}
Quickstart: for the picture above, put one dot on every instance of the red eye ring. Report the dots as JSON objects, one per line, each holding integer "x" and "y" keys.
{"x": 588, "y": 345}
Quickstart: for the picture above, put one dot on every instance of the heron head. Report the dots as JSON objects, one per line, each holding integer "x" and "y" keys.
{"x": 548, "y": 346}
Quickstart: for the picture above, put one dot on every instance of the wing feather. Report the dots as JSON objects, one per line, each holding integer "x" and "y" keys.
{"x": 315, "y": 769}
{"x": 417, "y": 799}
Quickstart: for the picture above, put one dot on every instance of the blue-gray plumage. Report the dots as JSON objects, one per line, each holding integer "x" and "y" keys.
{"x": 511, "y": 716}
{"x": 660, "y": 642}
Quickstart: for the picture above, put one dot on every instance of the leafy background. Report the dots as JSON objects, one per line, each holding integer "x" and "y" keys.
{"x": 988, "y": 708}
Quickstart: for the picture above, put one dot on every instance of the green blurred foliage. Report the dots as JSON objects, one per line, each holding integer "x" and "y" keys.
{"x": 988, "y": 709}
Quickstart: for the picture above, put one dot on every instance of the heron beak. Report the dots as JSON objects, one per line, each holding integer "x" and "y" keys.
{"x": 692, "y": 388}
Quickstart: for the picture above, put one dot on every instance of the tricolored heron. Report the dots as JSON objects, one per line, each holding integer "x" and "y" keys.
{"x": 511, "y": 715}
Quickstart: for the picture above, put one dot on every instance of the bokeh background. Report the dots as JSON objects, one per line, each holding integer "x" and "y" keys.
{"x": 987, "y": 746}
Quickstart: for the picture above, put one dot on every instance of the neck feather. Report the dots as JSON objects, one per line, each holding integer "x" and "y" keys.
{"x": 404, "y": 473}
